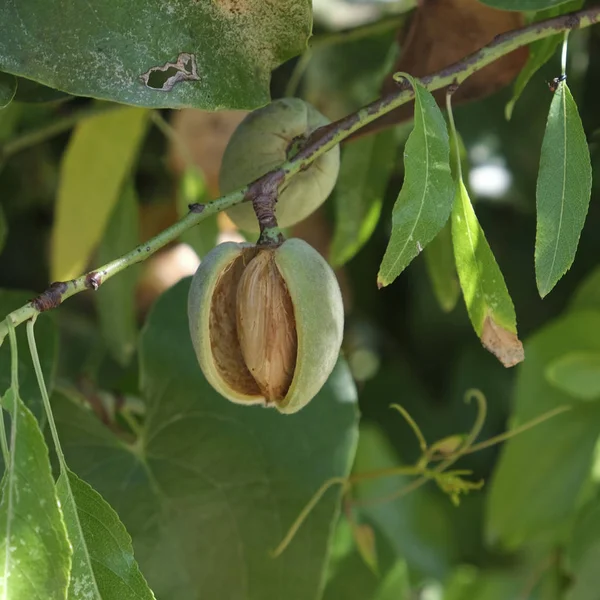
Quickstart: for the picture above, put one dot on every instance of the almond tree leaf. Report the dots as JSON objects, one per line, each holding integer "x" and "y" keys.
{"x": 209, "y": 54}
{"x": 425, "y": 200}
{"x": 211, "y": 487}
{"x": 8, "y": 89}
{"x": 34, "y": 549}
{"x": 365, "y": 169}
{"x": 488, "y": 302}
{"x": 577, "y": 374}
{"x": 540, "y": 52}
{"x": 115, "y": 300}
{"x": 103, "y": 564}
{"x": 99, "y": 157}
{"x": 564, "y": 187}
{"x": 439, "y": 258}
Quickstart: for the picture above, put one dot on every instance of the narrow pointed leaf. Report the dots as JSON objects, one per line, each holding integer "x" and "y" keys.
{"x": 35, "y": 557}
{"x": 425, "y": 201}
{"x": 488, "y": 302}
{"x": 99, "y": 157}
{"x": 364, "y": 173}
{"x": 564, "y": 186}
{"x": 115, "y": 300}
{"x": 103, "y": 564}
{"x": 439, "y": 258}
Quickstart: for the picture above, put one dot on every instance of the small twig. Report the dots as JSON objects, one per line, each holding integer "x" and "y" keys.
{"x": 319, "y": 142}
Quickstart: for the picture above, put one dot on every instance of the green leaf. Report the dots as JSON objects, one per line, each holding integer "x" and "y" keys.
{"x": 35, "y": 93}
{"x": 425, "y": 201}
{"x": 584, "y": 553}
{"x": 488, "y": 302}
{"x": 541, "y": 471}
{"x": 395, "y": 585}
{"x": 577, "y": 374}
{"x": 364, "y": 173}
{"x": 115, "y": 300}
{"x": 35, "y": 551}
{"x": 211, "y": 54}
{"x": 98, "y": 159}
{"x": 192, "y": 189}
{"x": 540, "y": 51}
{"x": 211, "y": 487}
{"x": 103, "y": 564}
{"x": 48, "y": 350}
{"x": 587, "y": 295}
{"x": 439, "y": 258}
{"x": 8, "y": 89}
{"x": 563, "y": 191}
{"x": 523, "y": 5}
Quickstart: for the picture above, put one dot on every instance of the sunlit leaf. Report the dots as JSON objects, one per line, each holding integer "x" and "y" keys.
{"x": 439, "y": 258}
{"x": 425, "y": 200}
{"x": 210, "y": 54}
{"x": 115, "y": 300}
{"x": 577, "y": 374}
{"x": 211, "y": 487}
{"x": 99, "y": 158}
{"x": 563, "y": 190}
{"x": 364, "y": 172}
{"x": 488, "y": 302}
{"x": 103, "y": 564}
{"x": 36, "y": 557}
{"x": 541, "y": 471}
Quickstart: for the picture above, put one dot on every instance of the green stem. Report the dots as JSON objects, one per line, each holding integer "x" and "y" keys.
{"x": 320, "y": 141}
{"x": 44, "y": 391}
{"x": 58, "y": 126}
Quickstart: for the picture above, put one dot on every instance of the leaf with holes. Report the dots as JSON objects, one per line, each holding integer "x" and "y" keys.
{"x": 364, "y": 173}
{"x": 98, "y": 159}
{"x": 425, "y": 200}
{"x": 564, "y": 187}
{"x": 209, "y": 54}
{"x": 488, "y": 302}
{"x": 34, "y": 549}
{"x": 103, "y": 563}
{"x": 211, "y": 487}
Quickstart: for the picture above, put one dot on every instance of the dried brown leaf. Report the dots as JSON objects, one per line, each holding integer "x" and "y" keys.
{"x": 504, "y": 344}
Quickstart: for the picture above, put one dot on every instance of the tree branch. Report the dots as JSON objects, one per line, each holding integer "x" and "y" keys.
{"x": 319, "y": 142}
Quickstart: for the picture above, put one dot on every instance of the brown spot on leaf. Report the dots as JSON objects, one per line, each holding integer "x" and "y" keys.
{"x": 504, "y": 344}
{"x": 234, "y": 7}
{"x": 165, "y": 77}
{"x": 443, "y": 32}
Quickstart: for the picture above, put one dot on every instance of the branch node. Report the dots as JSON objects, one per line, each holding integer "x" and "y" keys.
{"x": 50, "y": 298}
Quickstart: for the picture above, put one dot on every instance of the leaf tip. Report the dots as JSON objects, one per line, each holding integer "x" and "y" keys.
{"x": 503, "y": 344}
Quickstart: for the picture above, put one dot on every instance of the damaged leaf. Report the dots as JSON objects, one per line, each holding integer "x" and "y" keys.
{"x": 488, "y": 302}
{"x": 210, "y": 54}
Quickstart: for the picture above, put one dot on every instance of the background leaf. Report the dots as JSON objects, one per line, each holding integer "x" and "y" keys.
{"x": 211, "y": 487}
{"x": 3, "y": 229}
{"x": 488, "y": 302}
{"x": 365, "y": 169}
{"x": 563, "y": 190}
{"x": 554, "y": 456}
{"x": 425, "y": 200}
{"x": 36, "y": 557}
{"x": 439, "y": 258}
{"x": 8, "y": 89}
{"x": 577, "y": 374}
{"x": 115, "y": 300}
{"x": 97, "y": 161}
{"x": 103, "y": 49}
{"x": 523, "y": 4}
{"x": 103, "y": 563}
{"x": 47, "y": 348}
